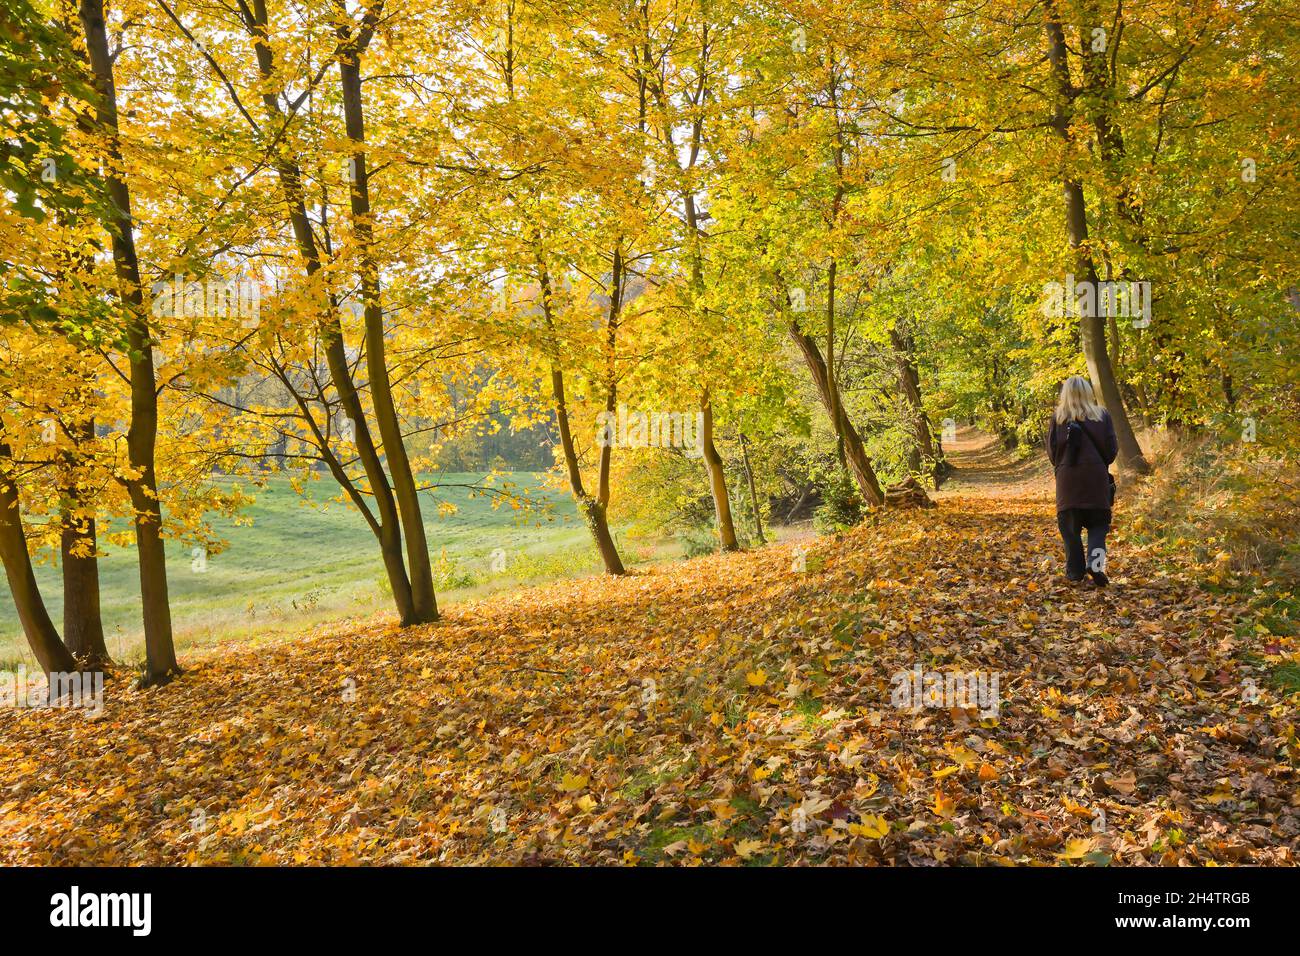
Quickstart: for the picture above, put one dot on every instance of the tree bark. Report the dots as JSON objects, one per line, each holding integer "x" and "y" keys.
{"x": 717, "y": 480}
{"x": 142, "y": 434}
{"x": 592, "y": 508}
{"x": 923, "y": 448}
{"x": 611, "y": 370}
{"x": 1092, "y": 327}
{"x": 83, "y": 623}
{"x": 425, "y": 601}
{"x": 854, "y": 452}
{"x": 753, "y": 489}
{"x": 712, "y": 460}
{"x": 44, "y": 640}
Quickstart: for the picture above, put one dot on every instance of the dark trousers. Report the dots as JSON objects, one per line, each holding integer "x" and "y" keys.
{"x": 1072, "y": 521}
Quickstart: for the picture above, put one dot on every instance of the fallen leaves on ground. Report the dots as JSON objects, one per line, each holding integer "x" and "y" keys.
{"x": 726, "y": 710}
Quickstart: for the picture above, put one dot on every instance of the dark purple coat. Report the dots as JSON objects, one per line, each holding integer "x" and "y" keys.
{"x": 1082, "y": 479}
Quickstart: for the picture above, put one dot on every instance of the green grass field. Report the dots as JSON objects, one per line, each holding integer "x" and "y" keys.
{"x": 298, "y": 564}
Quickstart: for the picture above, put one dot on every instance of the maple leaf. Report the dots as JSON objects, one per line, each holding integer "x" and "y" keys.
{"x": 872, "y": 827}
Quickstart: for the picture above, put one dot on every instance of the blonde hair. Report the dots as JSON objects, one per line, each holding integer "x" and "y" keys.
{"x": 1077, "y": 402}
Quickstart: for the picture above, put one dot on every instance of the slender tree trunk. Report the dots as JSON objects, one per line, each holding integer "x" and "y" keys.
{"x": 1167, "y": 356}
{"x": 1092, "y": 327}
{"x": 289, "y": 174}
{"x": 389, "y": 533}
{"x": 712, "y": 460}
{"x": 717, "y": 480}
{"x": 142, "y": 435}
{"x": 592, "y": 508}
{"x": 44, "y": 640}
{"x": 833, "y": 388}
{"x": 854, "y": 452}
{"x": 753, "y": 489}
{"x": 611, "y": 370}
{"x": 650, "y": 82}
{"x": 390, "y": 431}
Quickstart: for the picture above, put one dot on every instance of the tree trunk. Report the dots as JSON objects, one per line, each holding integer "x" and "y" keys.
{"x": 1092, "y": 327}
{"x": 142, "y": 435}
{"x": 832, "y": 386}
{"x": 717, "y": 480}
{"x": 50, "y": 651}
{"x": 390, "y": 431}
{"x": 1167, "y": 356}
{"x": 83, "y": 624}
{"x": 854, "y": 452}
{"x": 290, "y": 177}
{"x": 593, "y": 510}
{"x": 611, "y": 371}
{"x": 753, "y": 489}
{"x": 923, "y": 448}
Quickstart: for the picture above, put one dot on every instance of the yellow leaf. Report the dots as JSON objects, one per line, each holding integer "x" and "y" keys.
{"x": 871, "y": 827}
{"x": 572, "y": 782}
{"x": 756, "y": 678}
{"x": 747, "y": 848}
{"x": 1077, "y": 848}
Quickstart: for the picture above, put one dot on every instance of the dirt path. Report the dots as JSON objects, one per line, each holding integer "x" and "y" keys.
{"x": 983, "y": 468}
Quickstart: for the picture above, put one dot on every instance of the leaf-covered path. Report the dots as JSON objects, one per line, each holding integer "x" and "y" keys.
{"x": 729, "y": 709}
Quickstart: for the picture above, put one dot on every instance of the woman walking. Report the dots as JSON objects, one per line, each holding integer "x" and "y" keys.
{"x": 1081, "y": 444}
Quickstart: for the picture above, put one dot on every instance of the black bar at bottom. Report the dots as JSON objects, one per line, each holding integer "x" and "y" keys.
{"x": 500, "y": 906}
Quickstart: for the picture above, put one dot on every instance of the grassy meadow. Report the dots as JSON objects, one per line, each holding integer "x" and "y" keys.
{"x": 303, "y": 561}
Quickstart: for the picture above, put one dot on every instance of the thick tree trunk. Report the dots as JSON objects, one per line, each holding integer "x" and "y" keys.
{"x": 854, "y": 452}
{"x": 593, "y": 510}
{"x": 390, "y": 432}
{"x": 388, "y": 530}
{"x": 83, "y": 624}
{"x": 753, "y": 489}
{"x": 44, "y": 640}
{"x": 1092, "y": 327}
{"x": 923, "y": 448}
{"x": 142, "y": 435}
{"x": 717, "y": 480}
